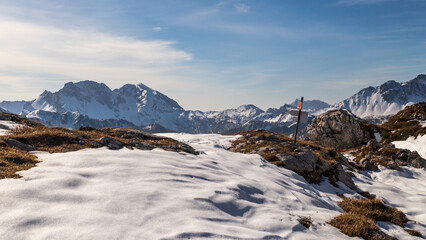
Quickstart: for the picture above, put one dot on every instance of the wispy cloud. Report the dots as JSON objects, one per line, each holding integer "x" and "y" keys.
{"x": 158, "y": 29}
{"x": 83, "y": 54}
{"x": 359, "y": 2}
{"x": 241, "y": 8}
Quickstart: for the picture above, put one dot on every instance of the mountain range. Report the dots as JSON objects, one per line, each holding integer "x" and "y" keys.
{"x": 88, "y": 103}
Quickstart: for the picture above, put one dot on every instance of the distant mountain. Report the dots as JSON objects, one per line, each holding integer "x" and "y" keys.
{"x": 89, "y": 103}
{"x": 310, "y": 104}
{"x": 385, "y": 100}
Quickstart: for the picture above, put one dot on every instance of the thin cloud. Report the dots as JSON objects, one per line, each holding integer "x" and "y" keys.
{"x": 84, "y": 54}
{"x": 241, "y": 8}
{"x": 359, "y": 2}
{"x": 158, "y": 29}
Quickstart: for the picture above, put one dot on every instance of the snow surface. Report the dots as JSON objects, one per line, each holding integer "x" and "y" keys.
{"x": 135, "y": 194}
{"x": 404, "y": 190}
{"x": 414, "y": 144}
{"x": 6, "y": 126}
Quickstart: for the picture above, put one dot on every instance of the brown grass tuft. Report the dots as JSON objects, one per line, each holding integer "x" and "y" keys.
{"x": 355, "y": 225}
{"x": 413, "y": 232}
{"x": 360, "y": 216}
{"x": 305, "y": 221}
{"x": 12, "y": 161}
{"x": 374, "y": 209}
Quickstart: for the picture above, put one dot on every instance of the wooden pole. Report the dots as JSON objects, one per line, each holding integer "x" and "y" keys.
{"x": 298, "y": 118}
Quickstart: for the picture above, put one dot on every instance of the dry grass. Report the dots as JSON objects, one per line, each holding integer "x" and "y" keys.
{"x": 12, "y": 161}
{"x": 405, "y": 123}
{"x": 413, "y": 232}
{"x": 360, "y": 217}
{"x": 374, "y": 209}
{"x": 58, "y": 139}
{"x": 305, "y": 221}
{"x": 355, "y": 225}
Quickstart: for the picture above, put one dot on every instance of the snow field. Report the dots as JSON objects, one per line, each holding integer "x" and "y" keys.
{"x": 135, "y": 194}
{"x": 413, "y": 144}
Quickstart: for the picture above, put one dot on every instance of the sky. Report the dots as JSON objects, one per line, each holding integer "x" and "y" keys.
{"x": 212, "y": 55}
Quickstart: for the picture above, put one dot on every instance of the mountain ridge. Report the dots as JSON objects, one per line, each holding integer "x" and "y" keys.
{"x": 89, "y": 103}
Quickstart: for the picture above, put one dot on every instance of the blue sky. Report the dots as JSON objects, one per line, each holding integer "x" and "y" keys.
{"x": 212, "y": 55}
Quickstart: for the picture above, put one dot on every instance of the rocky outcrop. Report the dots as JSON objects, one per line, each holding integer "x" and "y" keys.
{"x": 306, "y": 159}
{"x": 373, "y": 154}
{"x": 338, "y": 129}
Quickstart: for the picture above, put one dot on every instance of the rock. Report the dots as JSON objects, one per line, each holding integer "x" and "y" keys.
{"x": 372, "y": 143}
{"x": 96, "y": 144}
{"x": 303, "y": 161}
{"x": 419, "y": 163}
{"x": 111, "y": 143}
{"x": 141, "y": 145}
{"x": 412, "y": 156}
{"x": 365, "y": 164}
{"x": 403, "y": 155}
{"x": 338, "y": 129}
{"x": 18, "y": 145}
{"x": 266, "y": 137}
{"x": 138, "y": 134}
{"x": 128, "y": 136}
{"x": 346, "y": 179}
{"x": 400, "y": 162}
{"x": 393, "y": 165}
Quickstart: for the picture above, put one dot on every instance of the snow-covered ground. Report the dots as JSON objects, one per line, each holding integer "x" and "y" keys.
{"x": 414, "y": 144}
{"x": 404, "y": 190}
{"x": 6, "y": 126}
{"x": 135, "y": 194}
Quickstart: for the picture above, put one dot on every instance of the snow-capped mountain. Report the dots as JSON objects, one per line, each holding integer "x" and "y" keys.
{"x": 89, "y": 103}
{"x": 385, "y": 100}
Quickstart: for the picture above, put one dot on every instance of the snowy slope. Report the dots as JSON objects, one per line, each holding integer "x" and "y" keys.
{"x": 135, "y": 194}
{"x": 404, "y": 190}
{"x": 414, "y": 144}
{"x": 386, "y": 99}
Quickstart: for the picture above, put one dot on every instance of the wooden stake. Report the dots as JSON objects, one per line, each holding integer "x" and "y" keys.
{"x": 299, "y": 106}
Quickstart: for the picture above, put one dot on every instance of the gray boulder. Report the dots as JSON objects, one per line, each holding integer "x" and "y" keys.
{"x": 111, "y": 143}
{"x": 18, "y": 145}
{"x": 141, "y": 145}
{"x": 419, "y": 163}
{"x": 302, "y": 162}
{"x": 338, "y": 129}
{"x": 365, "y": 164}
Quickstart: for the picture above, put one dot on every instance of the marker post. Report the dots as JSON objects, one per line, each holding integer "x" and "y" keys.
{"x": 299, "y": 107}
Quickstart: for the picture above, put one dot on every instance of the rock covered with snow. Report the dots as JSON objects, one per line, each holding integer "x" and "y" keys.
{"x": 338, "y": 129}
